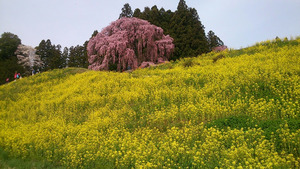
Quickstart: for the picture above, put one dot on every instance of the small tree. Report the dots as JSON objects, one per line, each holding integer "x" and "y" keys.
{"x": 9, "y": 43}
{"x": 128, "y": 42}
{"x": 213, "y": 40}
{"x": 28, "y": 58}
{"x": 126, "y": 11}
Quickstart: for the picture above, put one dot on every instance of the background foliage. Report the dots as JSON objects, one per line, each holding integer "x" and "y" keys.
{"x": 9, "y": 43}
{"x": 184, "y": 26}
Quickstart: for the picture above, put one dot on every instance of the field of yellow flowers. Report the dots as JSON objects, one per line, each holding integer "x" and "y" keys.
{"x": 241, "y": 111}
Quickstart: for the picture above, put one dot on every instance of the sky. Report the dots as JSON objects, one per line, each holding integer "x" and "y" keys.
{"x": 238, "y": 23}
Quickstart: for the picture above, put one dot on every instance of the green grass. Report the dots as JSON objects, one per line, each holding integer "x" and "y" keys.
{"x": 8, "y": 162}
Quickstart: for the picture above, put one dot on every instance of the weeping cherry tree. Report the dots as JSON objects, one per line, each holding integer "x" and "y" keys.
{"x": 126, "y": 43}
{"x": 28, "y": 58}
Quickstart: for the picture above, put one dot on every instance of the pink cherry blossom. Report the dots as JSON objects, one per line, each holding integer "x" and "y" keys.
{"x": 128, "y": 42}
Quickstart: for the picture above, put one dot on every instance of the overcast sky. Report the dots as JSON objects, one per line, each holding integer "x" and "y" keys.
{"x": 238, "y": 23}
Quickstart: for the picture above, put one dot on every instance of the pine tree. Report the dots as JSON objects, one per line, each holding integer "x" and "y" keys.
{"x": 182, "y": 6}
{"x": 85, "y": 55}
{"x": 9, "y": 43}
{"x": 146, "y": 14}
{"x": 154, "y": 16}
{"x": 165, "y": 20}
{"x": 50, "y": 55}
{"x": 188, "y": 32}
{"x": 78, "y": 56}
{"x": 55, "y": 61}
{"x": 94, "y": 33}
{"x": 183, "y": 25}
{"x": 126, "y": 11}
{"x": 137, "y": 13}
{"x": 64, "y": 57}
{"x": 43, "y": 50}
{"x": 213, "y": 40}
{"x": 71, "y": 57}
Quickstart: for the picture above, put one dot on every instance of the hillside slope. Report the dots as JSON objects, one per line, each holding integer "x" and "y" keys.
{"x": 242, "y": 110}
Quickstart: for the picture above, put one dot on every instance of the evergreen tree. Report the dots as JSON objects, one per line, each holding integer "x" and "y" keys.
{"x": 137, "y": 13}
{"x": 183, "y": 25}
{"x": 50, "y": 55}
{"x": 8, "y": 45}
{"x": 146, "y": 14}
{"x": 78, "y": 56}
{"x": 85, "y": 62}
{"x": 188, "y": 32}
{"x": 82, "y": 56}
{"x": 213, "y": 40}
{"x": 182, "y": 5}
{"x": 94, "y": 33}
{"x": 43, "y": 50}
{"x": 154, "y": 16}
{"x": 64, "y": 57}
{"x": 165, "y": 20}
{"x": 55, "y": 61}
{"x": 8, "y": 60}
{"x": 126, "y": 11}
{"x": 8, "y": 67}
{"x": 199, "y": 44}
{"x": 71, "y": 57}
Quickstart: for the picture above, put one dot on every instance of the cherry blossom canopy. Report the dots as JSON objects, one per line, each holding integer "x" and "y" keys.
{"x": 128, "y": 42}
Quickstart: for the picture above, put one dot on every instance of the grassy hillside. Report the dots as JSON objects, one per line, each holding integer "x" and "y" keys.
{"x": 240, "y": 111}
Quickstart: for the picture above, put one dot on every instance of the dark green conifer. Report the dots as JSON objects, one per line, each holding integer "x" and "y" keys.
{"x": 137, "y": 13}
{"x": 9, "y": 43}
{"x": 78, "y": 56}
{"x": 126, "y": 11}
{"x": 188, "y": 32}
{"x": 213, "y": 40}
{"x": 50, "y": 55}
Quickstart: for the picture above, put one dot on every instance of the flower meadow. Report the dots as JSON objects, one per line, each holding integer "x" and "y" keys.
{"x": 240, "y": 111}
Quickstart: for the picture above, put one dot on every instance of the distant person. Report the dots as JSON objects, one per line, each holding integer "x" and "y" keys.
{"x": 7, "y": 80}
{"x": 20, "y": 77}
{"x": 16, "y": 74}
{"x": 33, "y": 72}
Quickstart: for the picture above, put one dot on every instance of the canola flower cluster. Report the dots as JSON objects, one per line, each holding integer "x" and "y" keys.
{"x": 157, "y": 117}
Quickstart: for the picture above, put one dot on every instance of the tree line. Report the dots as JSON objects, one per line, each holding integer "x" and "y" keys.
{"x": 53, "y": 56}
{"x": 16, "y": 57}
{"x": 183, "y": 25}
